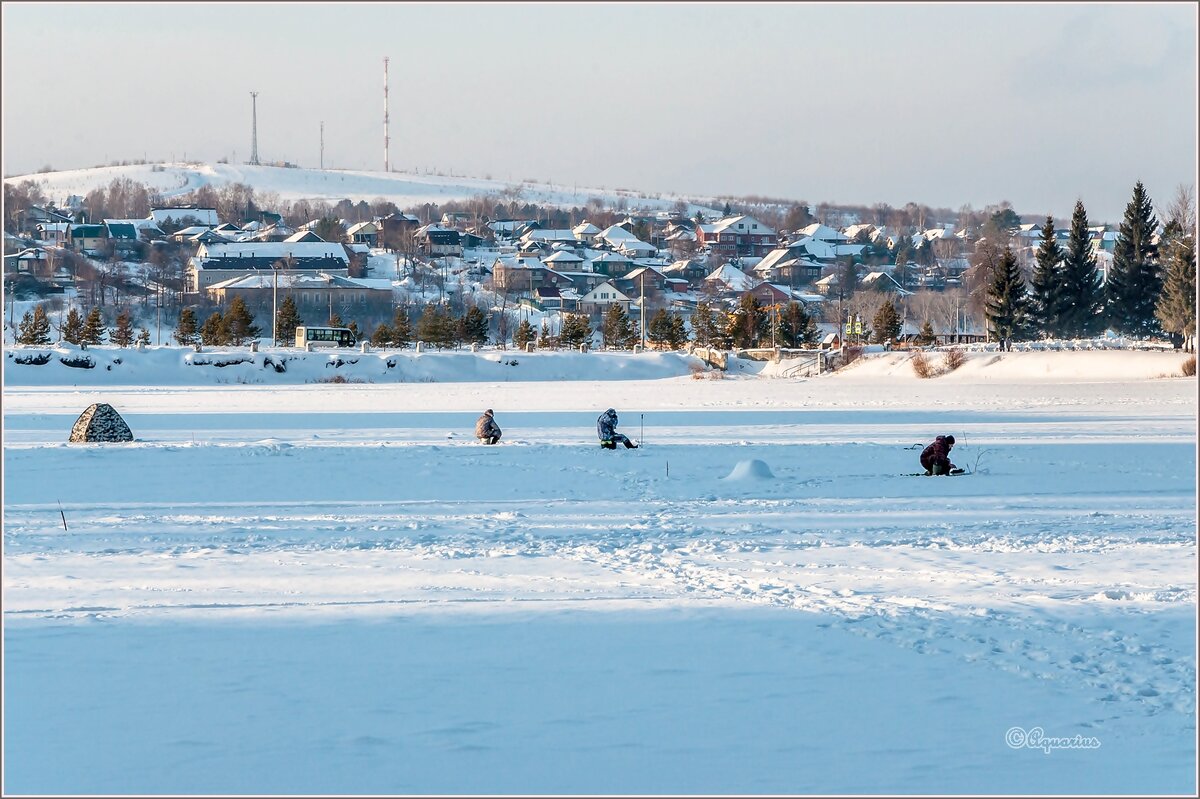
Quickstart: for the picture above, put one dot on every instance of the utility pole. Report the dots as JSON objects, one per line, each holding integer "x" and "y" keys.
{"x": 158, "y": 304}
{"x": 275, "y": 307}
{"x": 386, "y": 161}
{"x": 642, "y": 303}
{"x": 254, "y": 128}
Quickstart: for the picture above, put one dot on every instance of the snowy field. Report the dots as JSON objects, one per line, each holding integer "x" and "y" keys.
{"x": 292, "y": 587}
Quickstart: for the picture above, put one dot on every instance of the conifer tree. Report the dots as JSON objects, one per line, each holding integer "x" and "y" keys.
{"x": 237, "y": 326}
{"x": 401, "y": 329}
{"x": 885, "y": 326}
{"x": 354, "y": 331}
{"x": 748, "y": 323}
{"x": 335, "y": 320}
{"x": 658, "y": 330}
{"x": 678, "y": 337}
{"x": 1176, "y": 309}
{"x": 1082, "y": 297}
{"x": 618, "y": 330}
{"x": 703, "y": 324}
{"x": 796, "y": 328}
{"x": 474, "y": 326}
{"x": 382, "y": 337}
{"x": 1134, "y": 282}
{"x": 576, "y": 330}
{"x": 122, "y": 332}
{"x": 848, "y": 278}
{"x": 93, "y": 328}
{"x": 185, "y": 330}
{"x": 544, "y": 339}
{"x": 143, "y": 337}
{"x": 1007, "y": 306}
{"x": 287, "y": 319}
{"x": 436, "y": 326}
{"x": 523, "y": 335}
{"x": 212, "y": 332}
{"x": 926, "y": 336}
{"x": 34, "y": 327}
{"x": 72, "y": 327}
{"x": 1046, "y": 287}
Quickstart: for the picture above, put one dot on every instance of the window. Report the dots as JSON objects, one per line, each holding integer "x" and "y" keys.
{"x": 741, "y": 226}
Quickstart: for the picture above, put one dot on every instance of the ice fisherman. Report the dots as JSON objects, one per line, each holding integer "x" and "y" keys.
{"x": 936, "y": 457}
{"x": 486, "y": 429}
{"x": 606, "y": 429}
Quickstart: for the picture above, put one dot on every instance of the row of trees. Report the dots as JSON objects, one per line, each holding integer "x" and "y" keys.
{"x": 35, "y": 328}
{"x": 1150, "y": 288}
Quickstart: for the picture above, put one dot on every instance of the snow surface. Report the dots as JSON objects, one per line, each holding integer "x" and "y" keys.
{"x": 173, "y": 180}
{"x": 304, "y": 588}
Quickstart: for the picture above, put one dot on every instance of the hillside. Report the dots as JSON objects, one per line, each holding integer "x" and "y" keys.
{"x": 292, "y": 184}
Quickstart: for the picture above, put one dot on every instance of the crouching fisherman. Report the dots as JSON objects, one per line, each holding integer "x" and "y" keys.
{"x": 936, "y": 457}
{"x": 606, "y": 429}
{"x": 486, "y": 429}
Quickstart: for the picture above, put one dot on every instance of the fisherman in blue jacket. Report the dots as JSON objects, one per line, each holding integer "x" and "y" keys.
{"x": 606, "y": 429}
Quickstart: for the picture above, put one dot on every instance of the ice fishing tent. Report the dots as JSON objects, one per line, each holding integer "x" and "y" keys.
{"x": 100, "y": 422}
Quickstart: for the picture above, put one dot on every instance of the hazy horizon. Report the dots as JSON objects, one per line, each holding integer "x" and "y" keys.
{"x": 944, "y": 105}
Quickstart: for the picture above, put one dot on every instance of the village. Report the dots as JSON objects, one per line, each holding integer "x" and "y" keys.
{"x": 655, "y": 279}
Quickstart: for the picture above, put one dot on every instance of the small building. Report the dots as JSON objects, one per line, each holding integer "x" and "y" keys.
{"x": 88, "y": 239}
{"x": 435, "y": 240}
{"x": 363, "y": 233}
{"x": 184, "y": 216}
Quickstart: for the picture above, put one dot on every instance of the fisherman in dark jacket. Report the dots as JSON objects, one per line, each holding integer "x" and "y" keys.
{"x": 486, "y": 429}
{"x": 936, "y": 457}
{"x": 606, "y": 429}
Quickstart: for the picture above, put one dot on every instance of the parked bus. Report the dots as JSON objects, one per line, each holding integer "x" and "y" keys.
{"x": 324, "y": 336}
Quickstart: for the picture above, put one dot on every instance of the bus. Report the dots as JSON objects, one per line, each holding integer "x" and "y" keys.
{"x": 324, "y": 336}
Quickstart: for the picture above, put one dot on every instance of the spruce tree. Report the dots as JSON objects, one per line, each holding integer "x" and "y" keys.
{"x": 617, "y": 330}
{"x": 544, "y": 339}
{"x": 1046, "y": 287}
{"x": 1134, "y": 282}
{"x": 72, "y": 327}
{"x": 1176, "y": 309}
{"x": 401, "y": 328}
{"x": 335, "y": 320}
{"x": 287, "y": 319}
{"x": 658, "y": 330}
{"x": 212, "y": 332}
{"x": 523, "y": 335}
{"x": 382, "y": 337}
{"x": 143, "y": 337}
{"x": 678, "y": 338}
{"x": 1082, "y": 295}
{"x": 926, "y": 336}
{"x": 1007, "y": 306}
{"x": 93, "y": 328}
{"x": 885, "y": 326}
{"x": 748, "y": 323}
{"x": 185, "y": 330}
{"x": 703, "y": 324}
{"x": 795, "y": 327}
{"x": 237, "y": 326}
{"x": 354, "y": 331}
{"x": 848, "y": 278}
{"x": 34, "y": 327}
{"x": 576, "y": 330}
{"x": 474, "y": 326}
{"x": 122, "y": 332}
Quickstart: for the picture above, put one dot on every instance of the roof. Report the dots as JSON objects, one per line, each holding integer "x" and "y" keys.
{"x": 87, "y": 231}
{"x": 204, "y": 216}
{"x": 121, "y": 230}
{"x": 822, "y": 233}
{"x": 274, "y": 250}
{"x": 732, "y": 221}
{"x": 292, "y": 280}
{"x": 302, "y": 236}
{"x": 733, "y": 277}
{"x": 562, "y": 257}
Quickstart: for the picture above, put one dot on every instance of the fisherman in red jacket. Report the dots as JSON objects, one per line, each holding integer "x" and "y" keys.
{"x": 936, "y": 457}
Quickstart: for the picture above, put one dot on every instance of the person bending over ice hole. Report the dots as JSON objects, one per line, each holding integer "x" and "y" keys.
{"x": 606, "y": 428}
{"x": 936, "y": 457}
{"x": 486, "y": 429}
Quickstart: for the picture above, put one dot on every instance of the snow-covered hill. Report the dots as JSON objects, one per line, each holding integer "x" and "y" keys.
{"x": 291, "y": 184}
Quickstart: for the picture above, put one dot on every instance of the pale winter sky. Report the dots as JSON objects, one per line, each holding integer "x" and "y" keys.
{"x": 942, "y": 104}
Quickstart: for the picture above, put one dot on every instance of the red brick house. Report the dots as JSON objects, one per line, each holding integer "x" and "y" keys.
{"x": 737, "y": 236}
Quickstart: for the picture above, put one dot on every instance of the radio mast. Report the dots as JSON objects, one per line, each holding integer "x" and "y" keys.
{"x": 386, "y": 165}
{"x": 254, "y": 128}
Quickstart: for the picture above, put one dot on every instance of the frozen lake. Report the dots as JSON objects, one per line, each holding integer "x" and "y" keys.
{"x": 332, "y": 588}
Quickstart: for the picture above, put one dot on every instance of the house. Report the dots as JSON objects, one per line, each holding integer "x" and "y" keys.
{"x": 184, "y": 216}
{"x": 436, "y": 240}
{"x": 31, "y": 261}
{"x": 302, "y": 236}
{"x": 611, "y": 264}
{"x": 396, "y": 231}
{"x": 735, "y": 236}
{"x": 523, "y": 275}
{"x": 585, "y": 231}
{"x": 646, "y": 281}
{"x": 820, "y": 232}
{"x": 363, "y": 233}
{"x": 540, "y": 236}
{"x": 315, "y": 293}
{"x": 29, "y": 218}
{"x": 563, "y": 261}
{"x": 771, "y": 294}
{"x": 452, "y": 219}
{"x": 687, "y": 269}
{"x": 728, "y": 278}
{"x": 214, "y": 263}
{"x": 53, "y": 232}
{"x": 793, "y": 265}
{"x": 597, "y": 301}
{"x": 87, "y": 239}
{"x": 123, "y": 235}
{"x": 885, "y": 282}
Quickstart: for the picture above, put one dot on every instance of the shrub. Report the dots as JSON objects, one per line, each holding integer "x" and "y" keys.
{"x": 921, "y": 366}
{"x": 1189, "y": 367}
{"x": 954, "y": 359}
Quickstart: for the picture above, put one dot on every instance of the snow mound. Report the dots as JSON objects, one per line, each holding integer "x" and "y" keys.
{"x": 753, "y": 469}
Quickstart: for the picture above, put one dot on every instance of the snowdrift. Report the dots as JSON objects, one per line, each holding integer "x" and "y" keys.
{"x": 1085, "y": 365}
{"x": 178, "y": 366}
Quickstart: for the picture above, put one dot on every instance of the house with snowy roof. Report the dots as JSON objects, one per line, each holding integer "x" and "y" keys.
{"x": 436, "y": 240}
{"x": 596, "y": 302}
{"x": 217, "y": 262}
{"x": 689, "y": 269}
{"x": 184, "y": 216}
{"x": 585, "y": 231}
{"x": 315, "y": 293}
{"x": 728, "y": 278}
{"x": 883, "y": 281}
{"x": 563, "y": 261}
{"x": 737, "y": 236}
{"x": 794, "y": 264}
{"x": 363, "y": 233}
{"x": 822, "y": 233}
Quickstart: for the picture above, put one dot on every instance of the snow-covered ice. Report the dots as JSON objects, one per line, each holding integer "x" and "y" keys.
{"x": 297, "y": 587}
